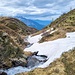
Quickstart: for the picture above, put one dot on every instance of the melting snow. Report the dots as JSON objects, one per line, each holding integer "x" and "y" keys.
{"x": 15, "y": 70}
{"x": 53, "y": 49}
{"x": 34, "y": 39}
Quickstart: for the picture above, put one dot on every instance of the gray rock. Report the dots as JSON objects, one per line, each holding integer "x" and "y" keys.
{"x": 32, "y": 61}
{"x": 5, "y": 34}
{"x": 3, "y": 73}
{"x": 19, "y": 62}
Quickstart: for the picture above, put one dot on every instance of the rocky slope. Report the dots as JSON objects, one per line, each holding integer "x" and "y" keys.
{"x": 12, "y": 34}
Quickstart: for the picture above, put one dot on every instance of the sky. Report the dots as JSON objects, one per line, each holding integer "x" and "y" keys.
{"x": 36, "y": 9}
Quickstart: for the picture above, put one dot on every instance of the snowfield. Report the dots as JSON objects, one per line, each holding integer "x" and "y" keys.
{"x": 53, "y": 49}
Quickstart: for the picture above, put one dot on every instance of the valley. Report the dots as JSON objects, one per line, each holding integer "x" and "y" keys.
{"x": 27, "y": 51}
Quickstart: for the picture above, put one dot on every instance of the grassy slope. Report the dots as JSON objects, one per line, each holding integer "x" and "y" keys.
{"x": 65, "y": 23}
{"x": 67, "y": 19}
{"x": 17, "y": 25}
{"x": 16, "y": 29}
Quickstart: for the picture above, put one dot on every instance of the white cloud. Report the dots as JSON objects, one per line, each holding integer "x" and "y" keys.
{"x": 50, "y": 5}
{"x": 46, "y": 8}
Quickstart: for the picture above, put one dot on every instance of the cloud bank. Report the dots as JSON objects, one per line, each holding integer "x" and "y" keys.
{"x": 36, "y": 9}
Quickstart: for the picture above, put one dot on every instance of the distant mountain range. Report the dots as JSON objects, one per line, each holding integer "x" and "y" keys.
{"x": 43, "y": 22}
{"x": 38, "y": 24}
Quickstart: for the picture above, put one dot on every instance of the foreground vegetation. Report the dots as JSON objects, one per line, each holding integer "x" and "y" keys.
{"x": 9, "y": 50}
{"x": 12, "y": 34}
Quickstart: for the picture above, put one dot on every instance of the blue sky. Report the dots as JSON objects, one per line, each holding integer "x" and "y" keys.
{"x": 36, "y": 9}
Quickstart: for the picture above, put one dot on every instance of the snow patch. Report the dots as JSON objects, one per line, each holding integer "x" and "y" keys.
{"x": 34, "y": 39}
{"x": 37, "y": 38}
{"x": 47, "y": 30}
{"x": 53, "y": 49}
{"x": 53, "y": 31}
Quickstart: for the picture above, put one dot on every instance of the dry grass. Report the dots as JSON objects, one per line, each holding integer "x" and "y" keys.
{"x": 58, "y": 34}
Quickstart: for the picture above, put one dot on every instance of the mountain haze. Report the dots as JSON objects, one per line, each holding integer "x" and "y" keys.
{"x": 43, "y": 22}
{"x": 38, "y": 24}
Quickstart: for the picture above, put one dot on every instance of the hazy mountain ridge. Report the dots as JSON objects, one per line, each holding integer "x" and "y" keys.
{"x": 38, "y": 24}
{"x": 43, "y": 22}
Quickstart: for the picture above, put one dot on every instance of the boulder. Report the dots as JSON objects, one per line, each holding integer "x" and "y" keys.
{"x": 3, "y": 73}
{"x": 19, "y": 62}
{"x": 5, "y": 34}
{"x": 32, "y": 61}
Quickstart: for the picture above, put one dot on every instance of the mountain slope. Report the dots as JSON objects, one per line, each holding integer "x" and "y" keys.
{"x": 31, "y": 23}
{"x": 9, "y": 50}
{"x": 17, "y": 25}
{"x": 16, "y": 29}
{"x": 67, "y": 19}
{"x": 65, "y": 23}
{"x": 12, "y": 34}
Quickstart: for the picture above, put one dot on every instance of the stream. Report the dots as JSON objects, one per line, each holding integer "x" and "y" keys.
{"x": 32, "y": 62}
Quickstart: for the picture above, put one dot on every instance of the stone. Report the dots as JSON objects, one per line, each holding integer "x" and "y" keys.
{"x": 5, "y": 34}
{"x": 32, "y": 61}
{"x": 19, "y": 62}
{"x": 3, "y": 73}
